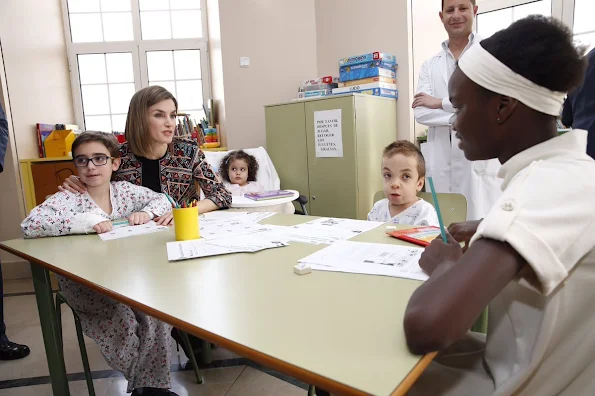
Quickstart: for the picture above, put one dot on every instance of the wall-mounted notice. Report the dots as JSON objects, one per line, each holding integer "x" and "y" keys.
{"x": 328, "y": 134}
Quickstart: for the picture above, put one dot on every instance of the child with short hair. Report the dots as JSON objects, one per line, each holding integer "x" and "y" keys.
{"x": 131, "y": 341}
{"x": 238, "y": 170}
{"x": 403, "y": 172}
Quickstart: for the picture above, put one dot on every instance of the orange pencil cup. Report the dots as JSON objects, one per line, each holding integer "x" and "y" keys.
{"x": 186, "y": 223}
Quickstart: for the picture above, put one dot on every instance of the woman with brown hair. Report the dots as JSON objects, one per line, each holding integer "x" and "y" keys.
{"x": 152, "y": 157}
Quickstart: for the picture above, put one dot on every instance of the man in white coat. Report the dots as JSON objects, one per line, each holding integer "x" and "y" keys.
{"x": 445, "y": 162}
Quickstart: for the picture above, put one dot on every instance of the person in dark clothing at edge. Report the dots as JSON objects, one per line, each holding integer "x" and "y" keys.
{"x": 8, "y": 350}
{"x": 579, "y": 108}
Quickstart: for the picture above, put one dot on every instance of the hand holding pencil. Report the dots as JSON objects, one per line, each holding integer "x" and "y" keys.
{"x": 440, "y": 251}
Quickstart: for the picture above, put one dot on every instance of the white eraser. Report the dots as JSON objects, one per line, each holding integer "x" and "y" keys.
{"x": 302, "y": 269}
{"x": 391, "y": 228}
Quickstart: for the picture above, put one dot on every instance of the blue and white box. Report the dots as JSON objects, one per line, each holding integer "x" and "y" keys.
{"x": 363, "y": 87}
{"x": 359, "y": 74}
{"x": 314, "y": 94}
{"x": 369, "y": 57}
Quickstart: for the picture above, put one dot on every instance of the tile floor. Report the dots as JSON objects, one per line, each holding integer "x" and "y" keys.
{"x": 229, "y": 375}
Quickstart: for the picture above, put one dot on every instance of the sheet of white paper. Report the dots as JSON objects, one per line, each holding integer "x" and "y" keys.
{"x": 311, "y": 234}
{"x": 123, "y": 231}
{"x": 369, "y": 258}
{"x": 255, "y": 217}
{"x": 214, "y": 227}
{"x": 328, "y": 136}
{"x": 205, "y": 248}
{"x": 219, "y": 215}
{"x": 222, "y": 230}
{"x": 355, "y": 226}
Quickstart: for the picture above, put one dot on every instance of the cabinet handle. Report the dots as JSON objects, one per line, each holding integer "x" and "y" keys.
{"x": 313, "y": 197}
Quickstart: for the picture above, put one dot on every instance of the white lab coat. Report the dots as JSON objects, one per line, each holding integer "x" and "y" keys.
{"x": 445, "y": 162}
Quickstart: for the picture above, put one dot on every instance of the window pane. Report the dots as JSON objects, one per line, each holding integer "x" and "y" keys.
{"x": 186, "y": 24}
{"x": 95, "y": 99}
{"x": 587, "y": 39}
{"x": 118, "y": 122}
{"x": 160, "y": 65}
{"x": 155, "y": 25}
{"x": 187, "y": 64}
{"x": 189, "y": 94}
{"x": 119, "y": 67}
{"x": 119, "y": 96}
{"x": 86, "y": 28}
{"x": 92, "y": 69}
{"x": 83, "y": 6}
{"x": 583, "y": 16}
{"x": 148, "y": 5}
{"x": 98, "y": 123}
{"x": 169, "y": 85}
{"x": 491, "y": 22}
{"x": 115, "y": 5}
{"x": 185, "y": 4}
{"x": 117, "y": 26}
{"x": 543, "y": 7}
{"x": 195, "y": 115}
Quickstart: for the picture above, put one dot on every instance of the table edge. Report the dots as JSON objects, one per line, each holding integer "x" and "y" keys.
{"x": 414, "y": 374}
{"x": 268, "y": 361}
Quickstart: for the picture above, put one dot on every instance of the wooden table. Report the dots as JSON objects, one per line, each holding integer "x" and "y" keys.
{"x": 342, "y": 332}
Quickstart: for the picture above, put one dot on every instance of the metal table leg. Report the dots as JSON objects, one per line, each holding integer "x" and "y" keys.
{"x": 49, "y": 329}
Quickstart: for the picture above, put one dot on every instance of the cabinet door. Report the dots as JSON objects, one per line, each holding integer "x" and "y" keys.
{"x": 47, "y": 176}
{"x": 332, "y": 180}
{"x": 286, "y": 145}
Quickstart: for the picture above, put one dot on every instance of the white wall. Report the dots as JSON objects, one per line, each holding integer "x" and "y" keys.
{"x": 37, "y": 86}
{"x": 357, "y": 27}
{"x": 279, "y": 36}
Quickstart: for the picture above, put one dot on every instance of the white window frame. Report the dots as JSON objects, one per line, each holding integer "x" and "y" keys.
{"x": 561, "y": 9}
{"x": 138, "y": 48}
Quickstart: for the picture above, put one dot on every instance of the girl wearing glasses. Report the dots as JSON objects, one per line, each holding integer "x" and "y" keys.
{"x": 132, "y": 342}
{"x": 153, "y": 158}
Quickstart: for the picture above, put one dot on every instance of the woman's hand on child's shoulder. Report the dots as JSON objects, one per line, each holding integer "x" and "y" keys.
{"x": 104, "y": 226}
{"x": 439, "y": 252}
{"x": 138, "y": 218}
{"x": 73, "y": 184}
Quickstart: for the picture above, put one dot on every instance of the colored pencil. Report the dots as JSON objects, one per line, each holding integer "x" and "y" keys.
{"x": 440, "y": 223}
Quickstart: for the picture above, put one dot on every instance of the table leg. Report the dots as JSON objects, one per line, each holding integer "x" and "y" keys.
{"x": 206, "y": 357}
{"x": 49, "y": 329}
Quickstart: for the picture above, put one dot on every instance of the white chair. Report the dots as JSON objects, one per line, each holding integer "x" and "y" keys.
{"x": 267, "y": 175}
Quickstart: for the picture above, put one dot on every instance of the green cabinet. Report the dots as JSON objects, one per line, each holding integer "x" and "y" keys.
{"x": 339, "y": 186}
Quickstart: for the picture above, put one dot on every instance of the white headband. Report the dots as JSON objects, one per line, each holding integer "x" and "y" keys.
{"x": 487, "y": 71}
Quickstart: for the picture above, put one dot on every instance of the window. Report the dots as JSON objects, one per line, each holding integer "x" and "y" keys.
{"x": 584, "y": 26}
{"x": 490, "y": 22}
{"x": 116, "y": 47}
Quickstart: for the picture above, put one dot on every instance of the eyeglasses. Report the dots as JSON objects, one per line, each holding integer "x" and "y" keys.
{"x": 98, "y": 160}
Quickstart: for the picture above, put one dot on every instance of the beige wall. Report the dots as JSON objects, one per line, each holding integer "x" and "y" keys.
{"x": 357, "y": 27}
{"x": 428, "y": 34}
{"x": 279, "y": 36}
{"x": 10, "y": 193}
{"x": 36, "y": 68}
{"x": 37, "y": 85}
{"x": 216, "y": 65}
